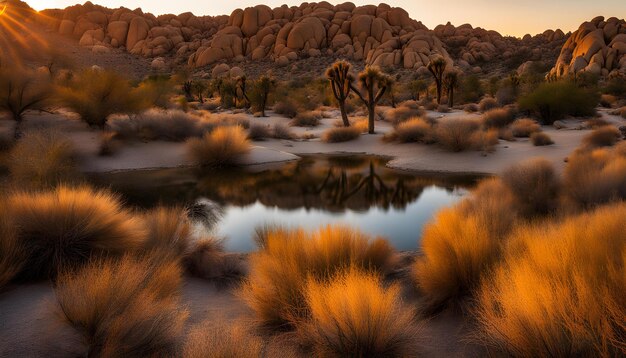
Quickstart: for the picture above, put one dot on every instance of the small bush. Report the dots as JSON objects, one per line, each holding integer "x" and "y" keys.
{"x": 471, "y": 108}
{"x": 488, "y": 103}
{"x": 485, "y": 141}
{"x": 596, "y": 123}
{"x": 12, "y": 251}
{"x": 443, "y": 108}
{"x": 259, "y": 132}
{"x": 456, "y": 134}
{"x": 540, "y": 139}
{"x": 42, "y": 160}
{"x": 276, "y": 286}
{"x": 109, "y": 144}
{"x": 343, "y": 134}
{"x": 206, "y": 259}
{"x": 221, "y": 339}
{"x": 223, "y": 147}
{"x": 402, "y": 113}
{"x": 524, "y": 128}
{"x": 555, "y": 100}
{"x": 126, "y": 308}
{"x": 535, "y": 187}
{"x": 414, "y": 130}
{"x": 168, "y": 232}
{"x": 281, "y": 131}
{"x": 306, "y": 119}
{"x": 173, "y": 125}
{"x": 560, "y": 290}
{"x": 355, "y": 315}
{"x": 286, "y": 108}
{"x": 497, "y": 118}
{"x": 602, "y": 137}
{"x": 64, "y": 228}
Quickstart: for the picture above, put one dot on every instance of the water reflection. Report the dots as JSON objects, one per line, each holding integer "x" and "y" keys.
{"x": 317, "y": 190}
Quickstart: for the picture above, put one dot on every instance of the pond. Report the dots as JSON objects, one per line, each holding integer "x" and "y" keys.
{"x": 359, "y": 191}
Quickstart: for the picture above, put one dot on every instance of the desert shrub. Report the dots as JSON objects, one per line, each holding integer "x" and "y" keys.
{"x": 42, "y": 160}
{"x": 471, "y": 108}
{"x": 286, "y": 108}
{"x": 485, "y": 140}
{"x": 344, "y": 134}
{"x": 524, "y": 128}
{"x": 306, "y": 119}
{"x": 443, "y": 108}
{"x": 456, "y": 134}
{"x": 62, "y": 229}
{"x": 414, "y": 130}
{"x": 109, "y": 144}
{"x": 95, "y": 95}
{"x": 595, "y": 123}
{"x": 556, "y": 100}
{"x": 156, "y": 91}
{"x": 281, "y": 131}
{"x": 276, "y": 285}
{"x": 602, "y": 137}
{"x": 595, "y": 177}
{"x": 12, "y": 252}
{"x": 206, "y": 259}
{"x": 488, "y": 103}
{"x": 353, "y": 314}
{"x": 126, "y": 307}
{"x": 497, "y": 118}
{"x": 223, "y": 339}
{"x": 539, "y": 139}
{"x": 173, "y": 125}
{"x": 21, "y": 91}
{"x": 462, "y": 244}
{"x": 535, "y": 187}
{"x": 258, "y": 132}
{"x": 168, "y": 231}
{"x": 623, "y": 112}
{"x": 607, "y": 100}
{"x": 560, "y": 290}
{"x": 223, "y": 147}
{"x": 403, "y": 112}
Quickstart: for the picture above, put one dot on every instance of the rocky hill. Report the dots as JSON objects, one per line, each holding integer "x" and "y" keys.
{"x": 376, "y": 35}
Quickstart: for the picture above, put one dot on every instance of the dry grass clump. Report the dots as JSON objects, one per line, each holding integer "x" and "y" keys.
{"x": 354, "y": 315}
{"x": 457, "y": 134}
{"x": 414, "y": 130}
{"x": 341, "y": 134}
{"x": 12, "y": 253}
{"x": 42, "y": 160}
{"x": 306, "y": 119}
{"x": 206, "y": 259}
{"x": 462, "y": 244}
{"x": 560, "y": 290}
{"x": 443, "y": 108}
{"x": 168, "y": 231}
{"x": 595, "y": 123}
{"x": 286, "y": 108}
{"x": 222, "y": 339}
{"x": 487, "y": 104}
{"x": 155, "y": 124}
{"x": 497, "y": 118}
{"x": 485, "y": 140}
{"x": 223, "y": 147}
{"x": 602, "y": 137}
{"x": 64, "y": 228}
{"x": 281, "y": 131}
{"x": 403, "y": 112}
{"x": 109, "y": 144}
{"x": 540, "y": 139}
{"x": 596, "y": 177}
{"x": 126, "y": 308}
{"x": 535, "y": 186}
{"x": 276, "y": 286}
{"x": 259, "y": 132}
{"x": 471, "y": 108}
{"x": 525, "y": 127}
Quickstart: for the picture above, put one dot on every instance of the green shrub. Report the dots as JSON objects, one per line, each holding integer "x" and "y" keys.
{"x": 556, "y": 100}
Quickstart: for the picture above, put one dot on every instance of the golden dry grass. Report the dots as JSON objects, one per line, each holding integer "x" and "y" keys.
{"x": 155, "y": 124}
{"x": 539, "y": 139}
{"x": 605, "y": 136}
{"x": 535, "y": 186}
{"x": 354, "y": 315}
{"x": 497, "y": 118}
{"x": 457, "y": 134}
{"x": 341, "y": 134}
{"x": 560, "y": 290}
{"x": 222, "y": 339}
{"x": 169, "y": 231}
{"x": 225, "y": 146}
{"x": 63, "y": 228}
{"x": 126, "y": 307}
{"x": 462, "y": 244}
{"x": 279, "y": 271}
{"x": 12, "y": 251}
{"x": 41, "y": 160}
{"x": 414, "y": 130}
{"x": 524, "y": 128}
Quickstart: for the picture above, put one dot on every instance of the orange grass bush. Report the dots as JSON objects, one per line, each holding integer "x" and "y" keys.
{"x": 462, "y": 244}
{"x": 525, "y": 127}
{"x": 540, "y": 139}
{"x": 560, "y": 290}
{"x": 206, "y": 259}
{"x": 341, "y": 134}
{"x": 457, "y": 134}
{"x": 64, "y": 228}
{"x": 535, "y": 186}
{"x": 124, "y": 308}
{"x": 497, "y": 118}
{"x": 275, "y": 288}
{"x": 414, "y": 130}
{"x": 12, "y": 253}
{"x": 354, "y": 315}
{"x": 168, "y": 231}
{"x": 223, "y": 147}
{"x": 154, "y": 124}
{"x": 605, "y": 136}
{"x": 222, "y": 339}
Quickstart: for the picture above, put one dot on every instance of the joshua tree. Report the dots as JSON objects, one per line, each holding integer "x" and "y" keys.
{"x": 198, "y": 88}
{"x": 263, "y": 86}
{"x": 242, "y": 90}
{"x": 393, "y": 90}
{"x": 187, "y": 88}
{"x": 341, "y": 82}
{"x": 451, "y": 81}
{"x": 515, "y": 80}
{"x": 437, "y": 67}
{"x": 416, "y": 87}
{"x": 21, "y": 91}
{"x": 374, "y": 84}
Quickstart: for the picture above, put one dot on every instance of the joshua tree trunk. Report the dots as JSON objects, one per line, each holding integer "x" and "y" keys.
{"x": 17, "y": 130}
{"x": 451, "y": 97}
{"x": 344, "y": 114}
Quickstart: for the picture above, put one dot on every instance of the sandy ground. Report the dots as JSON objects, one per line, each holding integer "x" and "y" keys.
{"x": 413, "y": 157}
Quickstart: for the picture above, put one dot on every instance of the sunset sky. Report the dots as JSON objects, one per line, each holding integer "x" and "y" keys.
{"x": 509, "y": 17}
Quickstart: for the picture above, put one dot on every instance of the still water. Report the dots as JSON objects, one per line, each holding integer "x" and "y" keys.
{"x": 359, "y": 191}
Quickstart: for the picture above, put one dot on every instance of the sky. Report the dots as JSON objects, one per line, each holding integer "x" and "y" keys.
{"x": 509, "y": 17}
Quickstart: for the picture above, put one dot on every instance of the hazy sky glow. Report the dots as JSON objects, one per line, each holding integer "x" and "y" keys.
{"x": 509, "y": 17}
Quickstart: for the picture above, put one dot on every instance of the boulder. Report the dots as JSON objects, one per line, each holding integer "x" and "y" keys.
{"x": 118, "y": 30}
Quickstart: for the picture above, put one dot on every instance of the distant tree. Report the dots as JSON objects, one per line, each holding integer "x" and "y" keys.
{"x": 198, "y": 88}
{"x": 242, "y": 90}
{"x": 156, "y": 90}
{"x": 261, "y": 91}
{"x": 373, "y": 85}
{"x": 451, "y": 81}
{"x": 188, "y": 89}
{"x": 341, "y": 83}
{"x": 437, "y": 67}
{"x": 22, "y": 90}
{"x": 416, "y": 87}
{"x": 393, "y": 90}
